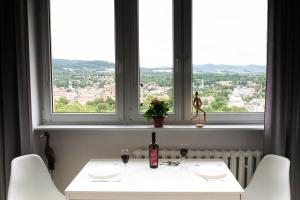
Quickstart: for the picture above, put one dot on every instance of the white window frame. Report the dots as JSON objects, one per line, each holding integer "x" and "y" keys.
{"x": 176, "y": 116}
{"x": 48, "y": 116}
{"x": 127, "y": 81}
{"x": 213, "y": 117}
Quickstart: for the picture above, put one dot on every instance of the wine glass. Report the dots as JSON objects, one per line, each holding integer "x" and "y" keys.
{"x": 125, "y": 156}
{"x": 184, "y": 152}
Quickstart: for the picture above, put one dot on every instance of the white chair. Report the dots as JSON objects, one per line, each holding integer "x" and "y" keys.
{"x": 30, "y": 180}
{"x": 270, "y": 180}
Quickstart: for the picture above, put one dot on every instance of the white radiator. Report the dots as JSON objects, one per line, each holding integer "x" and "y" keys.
{"x": 241, "y": 163}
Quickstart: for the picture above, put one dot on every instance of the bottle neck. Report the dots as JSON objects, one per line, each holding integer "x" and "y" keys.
{"x": 153, "y": 138}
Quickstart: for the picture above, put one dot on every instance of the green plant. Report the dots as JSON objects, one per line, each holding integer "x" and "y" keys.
{"x": 157, "y": 109}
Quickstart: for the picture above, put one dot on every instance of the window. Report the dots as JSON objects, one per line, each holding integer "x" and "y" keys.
{"x": 155, "y": 52}
{"x": 83, "y": 56}
{"x": 229, "y": 54}
{"x": 109, "y": 59}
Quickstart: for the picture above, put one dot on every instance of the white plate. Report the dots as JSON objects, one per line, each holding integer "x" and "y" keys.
{"x": 104, "y": 172}
{"x": 210, "y": 172}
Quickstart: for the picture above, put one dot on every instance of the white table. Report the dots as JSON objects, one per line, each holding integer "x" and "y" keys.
{"x": 140, "y": 182}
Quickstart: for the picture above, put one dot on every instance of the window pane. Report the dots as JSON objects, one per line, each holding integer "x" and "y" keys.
{"x": 229, "y": 54}
{"x": 155, "y": 52}
{"x": 83, "y": 56}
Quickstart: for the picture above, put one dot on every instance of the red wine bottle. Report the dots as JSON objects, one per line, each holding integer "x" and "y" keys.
{"x": 153, "y": 152}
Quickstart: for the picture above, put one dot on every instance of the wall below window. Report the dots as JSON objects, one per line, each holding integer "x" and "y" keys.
{"x": 74, "y": 148}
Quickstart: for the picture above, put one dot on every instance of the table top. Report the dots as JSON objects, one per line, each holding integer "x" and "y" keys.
{"x": 137, "y": 176}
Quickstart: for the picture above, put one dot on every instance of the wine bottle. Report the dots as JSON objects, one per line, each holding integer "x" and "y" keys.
{"x": 153, "y": 152}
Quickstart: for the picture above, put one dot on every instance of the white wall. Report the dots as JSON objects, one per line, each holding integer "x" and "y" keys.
{"x": 34, "y": 63}
{"x": 73, "y": 148}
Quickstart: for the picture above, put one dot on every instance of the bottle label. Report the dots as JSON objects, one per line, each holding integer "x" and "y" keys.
{"x": 154, "y": 157}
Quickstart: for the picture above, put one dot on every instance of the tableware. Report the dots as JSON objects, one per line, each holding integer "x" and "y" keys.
{"x": 104, "y": 172}
{"x": 210, "y": 172}
{"x": 183, "y": 152}
{"x": 170, "y": 163}
{"x": 99, "y": 180}
{"x": 125, "y": 156}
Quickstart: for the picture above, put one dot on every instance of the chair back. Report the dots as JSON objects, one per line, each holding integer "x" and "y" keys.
{"x": 30, "y": 180}
{"x": 270, "y": 180}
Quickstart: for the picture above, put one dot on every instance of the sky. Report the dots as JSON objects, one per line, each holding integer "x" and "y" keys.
{"x": 224, "y": 32}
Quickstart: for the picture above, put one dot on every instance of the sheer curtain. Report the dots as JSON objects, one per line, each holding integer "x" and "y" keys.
{"x": 15, "y": 117}
{"x": 282, "y": 117}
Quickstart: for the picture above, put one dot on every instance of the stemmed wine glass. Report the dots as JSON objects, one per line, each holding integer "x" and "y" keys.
{"x": 183, "y": 152}
{"x": 125, "y": 156}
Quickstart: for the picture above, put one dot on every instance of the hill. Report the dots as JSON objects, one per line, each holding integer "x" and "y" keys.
{"x": 104, "y": 65}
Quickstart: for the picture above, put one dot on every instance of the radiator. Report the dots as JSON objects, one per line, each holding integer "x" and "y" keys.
{"x": 241, "y": 163}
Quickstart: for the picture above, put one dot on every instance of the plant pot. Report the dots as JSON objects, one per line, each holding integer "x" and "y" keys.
{"x": 158, "y": 122}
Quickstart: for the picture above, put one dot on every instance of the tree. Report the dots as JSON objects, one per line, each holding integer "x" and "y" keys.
{"x": 110, "y": 101}
{"x": 95, "y": 102}
{"x": 102, "y": 107}
{"x": 63, "y": 100}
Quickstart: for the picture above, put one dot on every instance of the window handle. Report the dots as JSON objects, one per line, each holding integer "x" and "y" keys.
{"x": 119, "y": 65}
{"x": 187, "y": 67}
{"x": 177, "y": 60}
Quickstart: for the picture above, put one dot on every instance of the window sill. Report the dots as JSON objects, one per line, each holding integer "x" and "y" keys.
{"x": 148, "y": 128}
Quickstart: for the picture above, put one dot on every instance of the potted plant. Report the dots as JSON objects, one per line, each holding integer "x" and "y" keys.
{"x": 157, "y": 111}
